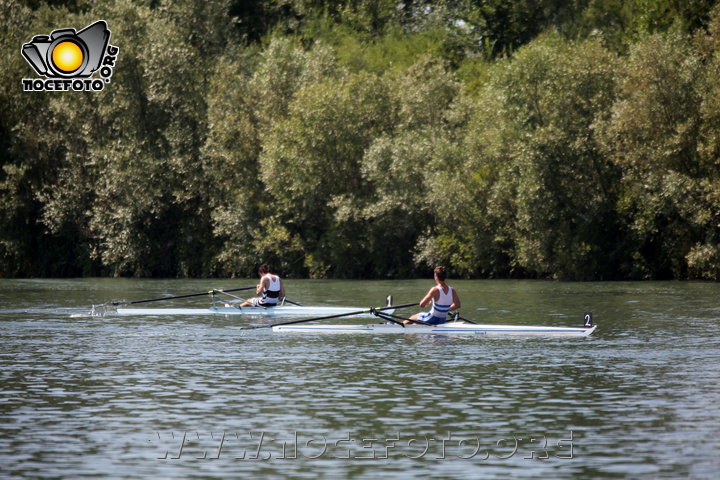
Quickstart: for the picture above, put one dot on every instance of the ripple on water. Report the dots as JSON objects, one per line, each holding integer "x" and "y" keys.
{"x": 107, "y": 397}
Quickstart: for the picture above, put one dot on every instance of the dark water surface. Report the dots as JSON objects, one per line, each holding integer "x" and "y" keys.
{"x": 197, "y": 397}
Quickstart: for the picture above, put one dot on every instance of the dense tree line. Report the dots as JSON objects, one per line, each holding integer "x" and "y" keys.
{"x": 369, "y": 138}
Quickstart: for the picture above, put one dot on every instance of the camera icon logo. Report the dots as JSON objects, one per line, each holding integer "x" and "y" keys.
{"x": 67, "y": 53}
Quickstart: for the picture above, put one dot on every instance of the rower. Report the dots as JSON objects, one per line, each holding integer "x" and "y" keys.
{"x": 270, "y": 289}
{"x": 443, "y": 298}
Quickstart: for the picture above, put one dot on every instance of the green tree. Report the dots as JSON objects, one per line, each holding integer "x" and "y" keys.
{"x": 151, "y": 212}
{"x": 311, "y": 167}
{"x": 44, "y": 140}
{"x": 535, "y": 194}
{"x": 404, "y": 168}
{"x": 240, "y": 119}
{"x": 565, "y": 198}
{"x": 653, "y": 135}
{"x": 369, "y": 138}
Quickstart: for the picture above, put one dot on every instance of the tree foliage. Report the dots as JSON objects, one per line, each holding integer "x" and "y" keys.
{"x": 369, "y": 138}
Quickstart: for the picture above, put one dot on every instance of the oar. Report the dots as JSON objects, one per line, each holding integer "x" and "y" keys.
{"x": 395, "y": 318}
{"x": 285, "y": 300}
{"x": 328, "y": 317}
{"x": 210, "y": 292}
{"x": 388, "y": 317}
{"x": 456, "y": 316}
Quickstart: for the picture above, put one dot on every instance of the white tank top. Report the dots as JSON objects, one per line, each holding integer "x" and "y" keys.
{"x": 271, "y": 294}
{"x": 441, "y": 308}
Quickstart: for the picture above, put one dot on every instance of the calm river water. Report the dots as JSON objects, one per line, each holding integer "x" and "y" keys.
{"x": 197, "y": 397}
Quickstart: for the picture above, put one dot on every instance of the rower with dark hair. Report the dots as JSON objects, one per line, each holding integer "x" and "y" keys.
{"x": 443, "y": 298}
{"x": 270, "y": 289}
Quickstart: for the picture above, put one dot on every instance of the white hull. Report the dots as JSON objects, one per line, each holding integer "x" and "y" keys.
{"x": 279, "y": 311}
{"x": 451, "y": 328}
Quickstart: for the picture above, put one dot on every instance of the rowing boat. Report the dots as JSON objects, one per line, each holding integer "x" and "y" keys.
{"x": 450, "y": 328}
{"x": 233, "y": 307}
{"x": 277, "y": 311}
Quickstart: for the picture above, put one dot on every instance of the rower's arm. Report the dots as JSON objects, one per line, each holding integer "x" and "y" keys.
{"x": 261, "y": 285}
{"x": 427, "y": 299}
{"x": 456, "y": 301}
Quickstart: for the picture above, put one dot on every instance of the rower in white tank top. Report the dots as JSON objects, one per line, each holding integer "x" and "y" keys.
{"x": 271, "y": 294}
{"x": 443, "y": 299}
{"x": 270, "y": 289}
{"x": 441, "y": 306}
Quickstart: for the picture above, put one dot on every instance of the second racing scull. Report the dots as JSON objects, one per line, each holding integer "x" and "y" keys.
{"x": 449, "y": 328}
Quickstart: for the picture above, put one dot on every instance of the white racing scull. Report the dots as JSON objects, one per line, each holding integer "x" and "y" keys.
{"x": 449, "y": 328}
{"x": 457, "y": 326}
{"x": 230, "y": 307}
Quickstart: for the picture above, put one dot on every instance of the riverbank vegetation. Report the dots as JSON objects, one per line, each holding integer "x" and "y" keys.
{"x": 369, "y": 139}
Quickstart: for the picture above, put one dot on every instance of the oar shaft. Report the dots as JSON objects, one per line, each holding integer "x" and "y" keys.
{"x": 134, "y": 302}
{"x": 292, "y": 303}
{"x": 390, "y": 318}
{"x": 328, "y": 317}
{"x": 395, "y": 318}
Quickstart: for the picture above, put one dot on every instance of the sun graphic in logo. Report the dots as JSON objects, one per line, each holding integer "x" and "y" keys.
{"x": 67, "y": 56}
